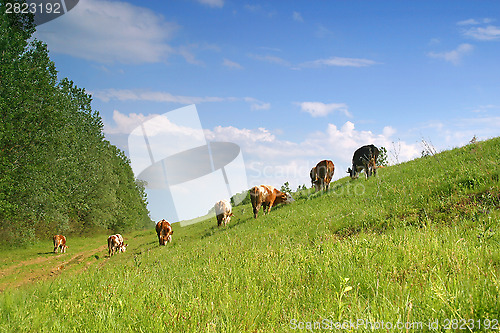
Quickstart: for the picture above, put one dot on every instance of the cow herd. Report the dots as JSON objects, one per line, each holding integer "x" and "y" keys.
{"x": 264, "y": 196}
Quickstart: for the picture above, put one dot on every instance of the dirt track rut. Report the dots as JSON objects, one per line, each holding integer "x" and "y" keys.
{"x": 43, "y": 268}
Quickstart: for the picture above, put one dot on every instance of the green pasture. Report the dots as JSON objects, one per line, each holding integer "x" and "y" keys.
{"x": 415, "y": 246}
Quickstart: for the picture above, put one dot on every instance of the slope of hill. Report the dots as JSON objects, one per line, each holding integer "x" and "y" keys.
{"x": 415, "y": 248}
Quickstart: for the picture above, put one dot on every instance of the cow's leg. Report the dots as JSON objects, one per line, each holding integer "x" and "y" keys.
{"x": 256, "y": 210}
{"x": 264, "y": 208}
{"x": 269, "y": 207}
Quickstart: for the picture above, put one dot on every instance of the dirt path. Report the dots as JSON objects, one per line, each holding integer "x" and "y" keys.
{"x": 43, "y": 268}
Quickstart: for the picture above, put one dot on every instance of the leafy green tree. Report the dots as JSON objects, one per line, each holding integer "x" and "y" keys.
{"x": 382, "y": 157}
{"x": 285, "y": 188}
{"x": 58, "y": 173}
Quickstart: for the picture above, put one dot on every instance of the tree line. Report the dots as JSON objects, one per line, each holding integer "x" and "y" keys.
{"x": 58, "y": 174}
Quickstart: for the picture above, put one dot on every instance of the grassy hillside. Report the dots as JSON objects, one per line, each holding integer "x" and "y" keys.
{"x": 416, "y": 248}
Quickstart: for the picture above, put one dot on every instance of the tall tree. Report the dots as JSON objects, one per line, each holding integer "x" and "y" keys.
{"x": 57, "y": 172}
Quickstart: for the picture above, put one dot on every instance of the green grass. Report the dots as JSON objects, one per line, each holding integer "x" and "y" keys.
{"x": 418, "y": 243}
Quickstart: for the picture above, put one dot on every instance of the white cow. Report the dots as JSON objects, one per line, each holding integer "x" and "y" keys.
{"x": 115, "y": 244}
{"x": 223, "y": 211}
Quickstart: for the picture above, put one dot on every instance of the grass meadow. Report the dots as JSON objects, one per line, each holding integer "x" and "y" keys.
{"x": 416, "y": 248}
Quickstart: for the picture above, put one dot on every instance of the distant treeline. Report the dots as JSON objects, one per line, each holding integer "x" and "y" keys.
{"x": 57, "y": 172}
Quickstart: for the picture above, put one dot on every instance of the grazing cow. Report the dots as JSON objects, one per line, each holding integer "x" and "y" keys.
{"x": 322, "y": 174}
{"x": 223, "y": 211}
{"x": 115, "y": 244}
{"x": 267, "y": 196}
{"x": 364, "y": 158}
{"x": 164, "y": 231}
{"x": 60, "y": 243}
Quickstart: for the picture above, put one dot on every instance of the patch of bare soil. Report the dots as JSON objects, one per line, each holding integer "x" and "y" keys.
{"x": 44, "y": 268}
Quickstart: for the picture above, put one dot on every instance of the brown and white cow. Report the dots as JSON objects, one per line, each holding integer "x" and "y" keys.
{"x": 164, "y": 231}
{"x": 223, "y": 211}
{"x": 115, "y": 244}
{"x": 322, "y": 174}
{"x": 59, "y": 243}
{"x": 364, "y": 158}
{"x": 267, "y": 196}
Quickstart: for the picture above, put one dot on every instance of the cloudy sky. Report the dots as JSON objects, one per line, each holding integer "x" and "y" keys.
{"x": 290, "y": 83}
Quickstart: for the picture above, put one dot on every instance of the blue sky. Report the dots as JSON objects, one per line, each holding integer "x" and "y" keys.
{"x": 290, "y": 83}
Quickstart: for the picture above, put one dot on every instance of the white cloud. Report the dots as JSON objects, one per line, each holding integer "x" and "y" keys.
{"x": 110, "y": 31}
{"x": 454, "y": 56}
{"x": 490, "y": 32}
{"x": 468, "y": 22}
{"x": 434, "y": 41}
{"x": 212, "y": 3}
{"x": 255, "y": 104}
{"x": 261, "y": 106}
{"x": 475, "y": 22}
{"x": 237, "y": 135}
{"x": 459, "y": 131}
{"x": 153, "y": 96}
{"x": 333, "y": 61}
{"x": 260, "y": 10}
{"x": 107, "y": 95}
{"x": 124, "y": 124}
{"x": 231, "y": 64}
{"x": 297, "y": 17}
{"x": 271, "y": 59}
{"x": 339, "y": 61}
{"x": 318, "y": 109}
{"x": 323, "y": 32}
{"x": 186, "y": 52}
{"x": 485, "y": 108}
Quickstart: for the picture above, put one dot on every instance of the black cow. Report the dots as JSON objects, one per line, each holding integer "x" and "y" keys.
{"x": 364, "y": 158}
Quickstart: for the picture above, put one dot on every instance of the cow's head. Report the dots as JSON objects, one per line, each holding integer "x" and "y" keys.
{"x": 123, "y": 247}
{"x": 313, "y": 175}
{"x": 287, "y": 198}
{"x": 353, "y": 173}
{"x": 228, "y": 218}
{"x": 164, "y": 239}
